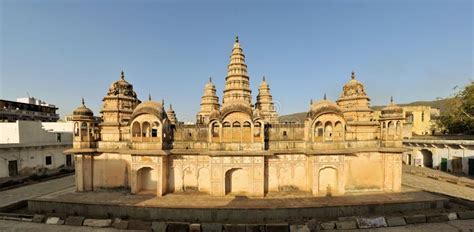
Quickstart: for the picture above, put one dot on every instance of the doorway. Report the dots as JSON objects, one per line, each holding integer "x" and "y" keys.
{"x": 471, "y": 167}
{"x": 12, "y": 168}
{"x": 457, "y": 164}
{"x": 444, "y": 164}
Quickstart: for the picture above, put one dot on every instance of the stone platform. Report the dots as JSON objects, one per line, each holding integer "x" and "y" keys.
{"x": 292, "y": 207}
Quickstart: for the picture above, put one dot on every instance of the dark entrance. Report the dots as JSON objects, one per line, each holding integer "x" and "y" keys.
{"x": 68, "y": 160}
{"x": 457, "y": 164}
{"x": 444, "y": 164}
{"x": 427, "y": 158}
{"x": 12, "y": 168}
{"x": 471, "y": 167}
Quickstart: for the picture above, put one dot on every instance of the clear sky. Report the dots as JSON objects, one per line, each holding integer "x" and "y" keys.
{"x": 59, "y": 51}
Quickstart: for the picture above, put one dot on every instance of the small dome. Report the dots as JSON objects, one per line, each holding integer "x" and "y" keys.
{"x": 353, "y": 88}
{"x": 83, "y": 110}
{"x": 122, "y": 87}
{"x": 392, "y": 109}
{"x": 149, "y": 107}
{"x": 324, "y": 106}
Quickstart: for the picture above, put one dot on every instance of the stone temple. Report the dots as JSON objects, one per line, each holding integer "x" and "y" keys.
{"x": 237, "y": 147}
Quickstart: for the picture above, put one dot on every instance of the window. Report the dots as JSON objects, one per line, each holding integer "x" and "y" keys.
{"x": 49, "y": 160}
{"x": 58, "y": 137}
{"x": 154, "y": 132}
{"x": 422, "y": 116}
{"x": 284, "y": 133}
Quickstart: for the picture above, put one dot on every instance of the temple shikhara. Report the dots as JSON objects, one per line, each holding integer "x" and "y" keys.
{"x": 238, "y": 147}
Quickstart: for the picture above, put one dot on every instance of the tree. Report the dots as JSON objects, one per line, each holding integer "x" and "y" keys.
{"x": 459, "y": 117}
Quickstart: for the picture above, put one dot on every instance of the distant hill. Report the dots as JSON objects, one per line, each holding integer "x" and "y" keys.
{"x": 441, "y": 104}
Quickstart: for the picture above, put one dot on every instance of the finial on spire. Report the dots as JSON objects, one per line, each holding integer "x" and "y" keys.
{"x": 237, "y": 39}
{"x": 325, "y": 97}
{"x": 353, "y": 76}
{"x": 171, "y": 107}
{"x": 391, "y": 99}
{"x": 149, "y": 97}
{"x": 264, "y": 78}
{"x": 311, "y": 101}
{"x": 122, "y": 75}
{"x": 83, "y": 101}
{"x": 210, "y": 79}
{"x": 163, "y": 102}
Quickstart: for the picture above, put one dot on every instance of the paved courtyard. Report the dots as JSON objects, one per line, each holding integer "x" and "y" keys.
{"x": 12, "y": 196}
{"x": 432, "y": 185}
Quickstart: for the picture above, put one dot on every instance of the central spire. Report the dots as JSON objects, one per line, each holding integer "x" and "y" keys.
{"x": 237, "y": 86}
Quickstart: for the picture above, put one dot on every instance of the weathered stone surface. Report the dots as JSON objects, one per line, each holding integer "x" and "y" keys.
{"x": 98, "y": 222}
{"x": 195, "y": 227}
{"x": 211, "y": 227}
{"x": 277, "y": 228}
{"x": 39, "y": 218}
{"x": 255, "y": 228}
{"x": 53, "y": 220}
{"x": 139, "y": 225}
{"x": 365, "y": 223}
{"x": 313, "y": 225}
{"x": 121, "y": 225}
{"x": 74, "y": 221}
{"x": 299, "y": 228}
{"x": 234, "y": 228}
{"x": 159, "y": 226}
{"x": 346, "y": 225}
{"x": 452, "y": 216}
{"x": 415, "y": 219}
{"x": 466, "y": 215}
{"x": 177, "y": 227}
{"x": 11, "y": 218}
{"x": 437, "y": 218}
{"x": 27, "y": 219}
{"x": 395, "y": 221}
{"x": 328, "y": 225}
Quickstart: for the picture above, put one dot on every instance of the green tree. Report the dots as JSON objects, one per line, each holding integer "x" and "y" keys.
{"x": 459, "y": 116}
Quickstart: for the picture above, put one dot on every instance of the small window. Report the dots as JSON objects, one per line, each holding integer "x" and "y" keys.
{"x": 284, "y": 133}
{"x": 190, "y": 134}
{"x": 49, "y": 160}
{"x": 154, "y": 132}
{"x": 58, "y": 137}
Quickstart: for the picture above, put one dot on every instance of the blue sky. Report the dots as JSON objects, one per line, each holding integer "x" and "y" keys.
{"x": 59, "y": 51}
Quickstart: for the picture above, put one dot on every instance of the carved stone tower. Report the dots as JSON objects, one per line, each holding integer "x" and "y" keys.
{"x": 209, "y": 103}
{"x": 117, "y": 109}
{"x": 237, "y": 88}
{"x": 264, "y": 103}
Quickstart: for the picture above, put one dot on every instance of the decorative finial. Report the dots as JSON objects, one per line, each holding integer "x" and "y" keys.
{"x": 236, "y": 39}
{"x": 311, "y": 101}
{"x": 391, "y": 99}
{"x": 149, "y": 97}
{"x": 171, "y": 107}
{"x": 210, "y": 79}
{"x": 263, "y": 78}
{"x": 325, "y": 97}
{"x": 163, "y": 103}
{"x": 122, "y": 75}
{"x": 353, "y": 76}
{"x": 83, "y": 102}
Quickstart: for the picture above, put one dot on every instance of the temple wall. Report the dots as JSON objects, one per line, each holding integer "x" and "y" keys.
{"x": 188, "y": 173}
{"x": 287, "y": 173}
{"x": 364, "y": 172}
{"x": 111, "y": 170}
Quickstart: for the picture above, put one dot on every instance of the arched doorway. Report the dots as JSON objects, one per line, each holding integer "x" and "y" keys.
{"x": 327, "y": 181}
{"x": 427, "y": 158}
{"x": 236, "y": 181}
{"x": 146, "y": 180}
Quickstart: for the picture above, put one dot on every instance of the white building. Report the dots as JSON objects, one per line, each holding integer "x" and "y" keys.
{"x": 27, "y": 147}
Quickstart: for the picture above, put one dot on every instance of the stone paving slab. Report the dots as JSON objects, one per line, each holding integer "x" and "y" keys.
{"x": 39, "y": 218}
{"x": 452, "y": 216}
{"x": 139, "y": 225}
{"x": 234, "y": 228}
{"x": 412, "y": 219}
{"x": 53, "y": 221}
{"x": 255, "y": 228}
{"x": 159, "y": 226}
{"x": 299, "y": 228}
{"x": 276, "y": 228}
{"x": 177, "y": 227}
{"x": 211, "y": 227}
{"x": 328, "y": 225}
{"x": 346, "y": 225}
{"x": 367, "y": 223}
{"x": 195, "y": 227}
{"x": 466, "y": 215}
{"x": 395, "y": 221}
{"x": 74, "y": 221}
{"x": 98, "y": 222}
{"x": 437, "y": 218}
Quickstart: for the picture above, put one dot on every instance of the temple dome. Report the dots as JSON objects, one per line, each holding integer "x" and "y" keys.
{"x": 122, "y": 87}
{"x": 83, "y": 110}
{"x": 392, "y": 109}
{"x": 149, "y": 107}
{"x": 353, "y": 88}
{"x": 324, "y": 106}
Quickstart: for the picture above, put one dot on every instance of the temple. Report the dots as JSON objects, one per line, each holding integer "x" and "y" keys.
{"x": 237, "y": 147}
